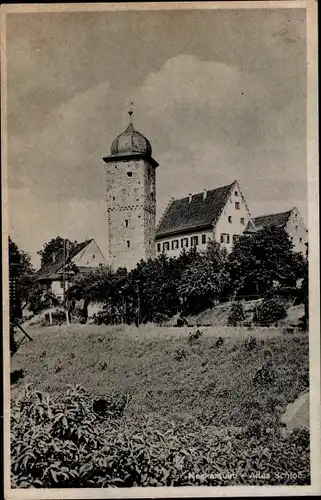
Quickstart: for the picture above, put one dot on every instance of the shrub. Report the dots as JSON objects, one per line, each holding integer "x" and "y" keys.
{"x": 236, "y": 314}
{"x": 71, "y": 442}
{"x": 269, "y": 311}
{"x": 250, "y": 343}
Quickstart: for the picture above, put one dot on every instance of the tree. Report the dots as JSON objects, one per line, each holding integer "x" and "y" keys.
{"x": 204, "y": 280}
{"x": 263, "y": 260}
{"x": 153, "y": 285}
{"x": 54, "y": 246}
{"x": 19, "y": 261}
{"x": 20, "y": 275}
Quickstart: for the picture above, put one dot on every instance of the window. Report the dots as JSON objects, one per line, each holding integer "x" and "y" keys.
{"x": 235, "y": 238}
{"x": 184, "y": 242}
{"x": 222, "y": 238}
{"x": 126, "y": 222}
{"x": 194, "y": 241}
{"x": 230, "y": 218}
{"x": 203, "y": 238}
{"x": 158, "y": 247}
{"x": 227, "y": 238}
{"x": 236, "y": 193}
{"x": 174, "y": 244}
{"x": 128, "y": 244}
{"x": 166, "y": 245}
{"x": 114, "y": 198}
{"x": 94, "y": 256}
{"x": 242, "y": 220}
{"x": 130, "y": 174}
{"x": 296, "y": 228}
{"x": 237, "y": 205}
{"x": 300, "y": 240}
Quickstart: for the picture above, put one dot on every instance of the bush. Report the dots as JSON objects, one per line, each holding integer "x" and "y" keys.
{"x": 236, "y": 314}
{"x": 269, "y": 311}
{"x": 67, "y": 442}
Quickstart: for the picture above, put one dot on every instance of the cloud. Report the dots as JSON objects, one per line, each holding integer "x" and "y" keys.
{"x": 30, "y": 227}
{"x": 59, "y": 157}
{"x": 219, "y": 123}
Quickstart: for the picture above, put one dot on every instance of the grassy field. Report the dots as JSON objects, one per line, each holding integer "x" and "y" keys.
{"x": 206, "y": 382}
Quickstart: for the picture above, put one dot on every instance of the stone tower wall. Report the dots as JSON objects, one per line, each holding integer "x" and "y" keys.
{"x": 131, "y": 208}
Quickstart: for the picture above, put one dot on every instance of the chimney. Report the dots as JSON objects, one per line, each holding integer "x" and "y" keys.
{"x": 204, "y": 194}
{"x": 190, "y": 196}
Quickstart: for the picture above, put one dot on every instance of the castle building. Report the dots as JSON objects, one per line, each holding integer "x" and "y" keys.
{"x": 291, "y": 221}
{"x": 87, "y": 256}
{"x": 219, "y": 215}
{"x": 131, "y": 199}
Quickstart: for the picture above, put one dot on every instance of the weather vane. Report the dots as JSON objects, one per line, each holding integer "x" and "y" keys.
{"x": 131, "y": 110}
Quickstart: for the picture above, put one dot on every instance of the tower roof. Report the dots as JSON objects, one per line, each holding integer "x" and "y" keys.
{"x": 130, "y": 141}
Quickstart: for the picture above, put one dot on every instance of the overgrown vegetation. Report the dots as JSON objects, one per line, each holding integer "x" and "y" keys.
{"x": 269, "y": 312}
{"x": 158, "y": 289}
{"x": 63, "y": 443}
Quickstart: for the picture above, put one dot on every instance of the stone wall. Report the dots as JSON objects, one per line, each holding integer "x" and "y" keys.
{"x": 131, "y": 208}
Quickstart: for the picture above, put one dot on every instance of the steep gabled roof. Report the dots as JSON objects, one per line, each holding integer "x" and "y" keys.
{"x": 199, "y": 213}
{"x": 53, "y": 270}
{"x": 278, "y": 220}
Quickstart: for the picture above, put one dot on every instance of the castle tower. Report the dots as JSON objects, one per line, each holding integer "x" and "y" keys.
{"x": 131, "y": 198}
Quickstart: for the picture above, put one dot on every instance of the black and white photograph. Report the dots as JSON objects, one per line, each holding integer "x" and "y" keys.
{"x": 161, "y": 249}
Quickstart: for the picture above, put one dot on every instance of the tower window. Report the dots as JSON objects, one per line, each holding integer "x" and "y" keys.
{"x": 128, "y": 244}
{"x": 242, "y": 220}
{"x": 194, "y": 241}
{"x": 158, "y": 247}
{"x": 230, "y": 218}
{"x": 203, "y": 238}
{"x": 126, "y": 222}
{"x": 130, "y": 174}
{"x": 237, "y": 205}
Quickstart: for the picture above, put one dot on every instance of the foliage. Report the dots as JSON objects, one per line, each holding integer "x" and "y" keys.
{"x": 55, "y": 246}
{"x": 19, "y": 261}
{"x": 62, "y": 442}
{"x": 269, "y": 311}
{"x": 203, "y": 280}
{"x": 263, "y": 260}
{"x": 236, "y": 315}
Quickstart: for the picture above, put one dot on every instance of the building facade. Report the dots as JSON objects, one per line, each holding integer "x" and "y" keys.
{"x": 86, "y": 256}
{"x": 291, "y": 221}
{"x": 131, "y": 199}
{"x": 219, "y": 215}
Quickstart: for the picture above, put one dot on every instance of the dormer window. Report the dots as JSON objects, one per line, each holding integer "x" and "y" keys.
{"x": 237, "y": 205}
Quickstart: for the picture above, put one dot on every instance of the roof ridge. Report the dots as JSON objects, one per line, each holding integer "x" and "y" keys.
{"x": 207, "y": 190}
{"x": 274, "y": 213}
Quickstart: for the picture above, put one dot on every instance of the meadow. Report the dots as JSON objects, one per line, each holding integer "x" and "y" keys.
{"x": 219, "y": 398}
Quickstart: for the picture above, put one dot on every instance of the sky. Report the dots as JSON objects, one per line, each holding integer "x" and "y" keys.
{"x": 220, "y": 94}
